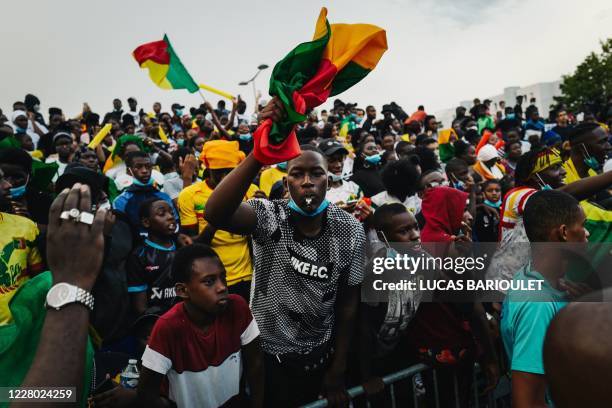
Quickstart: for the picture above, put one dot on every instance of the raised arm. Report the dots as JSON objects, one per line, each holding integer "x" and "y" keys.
{"x": 60, "y": 356}
{"x": 585, "y": 188}
{"x": 230, "y": 122}
{"x": 216, "y": 122}
{"x": 224, "y": 208}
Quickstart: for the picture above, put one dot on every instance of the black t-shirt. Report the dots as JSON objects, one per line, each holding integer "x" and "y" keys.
{"x": 149, "y": 269}
{"x": 485, "y": 227}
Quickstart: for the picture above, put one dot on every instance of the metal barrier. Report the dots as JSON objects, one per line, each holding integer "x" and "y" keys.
{"x": 411, "y": 371}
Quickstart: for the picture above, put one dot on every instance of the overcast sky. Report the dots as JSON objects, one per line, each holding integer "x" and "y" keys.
{"x": 440, "y": 51}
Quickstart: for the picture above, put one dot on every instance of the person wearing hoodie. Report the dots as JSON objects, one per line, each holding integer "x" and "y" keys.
{"x": 450, "y": 336}
{"x": 487, "y": 164}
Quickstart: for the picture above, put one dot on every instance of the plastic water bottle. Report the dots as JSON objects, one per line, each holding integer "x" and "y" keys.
{"x": 130, "y": 375}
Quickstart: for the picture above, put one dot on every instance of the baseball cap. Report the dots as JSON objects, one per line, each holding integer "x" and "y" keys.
{"x": 331, "y": 146}
{"x": 177, "y": 106}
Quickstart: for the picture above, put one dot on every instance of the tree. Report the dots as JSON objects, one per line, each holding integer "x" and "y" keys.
{"x": 590, "y": 86}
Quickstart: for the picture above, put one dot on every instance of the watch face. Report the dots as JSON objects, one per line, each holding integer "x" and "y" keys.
{"x": 60, "y": 294}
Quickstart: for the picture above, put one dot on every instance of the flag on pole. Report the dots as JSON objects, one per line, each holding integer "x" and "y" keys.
{"x": 339, "y": 56}
{"x": 165, "y": 68}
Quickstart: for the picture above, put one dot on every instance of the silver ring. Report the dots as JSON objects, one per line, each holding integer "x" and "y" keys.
{"x": 74, "y": 213}
{"x": 65, "y": 215}
{"x": 86, "y": 218}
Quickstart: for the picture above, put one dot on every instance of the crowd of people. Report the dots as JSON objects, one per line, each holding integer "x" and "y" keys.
{"x": 238, "y": 284}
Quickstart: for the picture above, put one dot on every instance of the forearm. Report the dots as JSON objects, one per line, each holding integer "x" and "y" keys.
{"x": 100, "y": 154}
{"x": 228, "y": 195}
{"x": 207, "y": 235}
{"x": 164, "y": 153}
{"x": 218, "y": 125}
{"x": 255, "y": 377}
{"x": 37, "y": 129}
{"x": 59, "y": 359}
{"x": 481, "y": 332}
{"x": 230, "y": 122}
{"x": 585, "y": 188}
{"x": 345, "y": 318}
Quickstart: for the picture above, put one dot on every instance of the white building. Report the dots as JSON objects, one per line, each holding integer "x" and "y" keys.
{"x": 543, "y": 92}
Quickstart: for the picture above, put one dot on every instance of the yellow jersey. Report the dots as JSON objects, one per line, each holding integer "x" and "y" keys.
{"x": 233, "y": 249}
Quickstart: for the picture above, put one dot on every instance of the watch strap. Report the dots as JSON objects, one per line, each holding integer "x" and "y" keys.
{"x": 86, "y": 298}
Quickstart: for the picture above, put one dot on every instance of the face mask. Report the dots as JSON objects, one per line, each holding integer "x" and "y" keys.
{"x": 358, "y": 119}
{"x": 496, "y": 204}
{"x": 589, "y": 160}
{"x": 322, "y": 207}
{"x": 138, "y": 183}
{"x": 17, "y": 192}
{"x": 374, "y": 159}
{"x": 282, "y": 166}
{"x": 20, "y": 130}
{"x": 36, "y": 108}
{"x": 473, "y": 128}
{"x": 179, "y": 112}
{"x": 334, "y": 177}
{"x": 246, "y": 137}
{"x": 510, "y": 116}
{"x": 180, "y": 142}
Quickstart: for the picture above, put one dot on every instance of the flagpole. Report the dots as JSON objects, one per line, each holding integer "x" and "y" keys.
{"x": 202, "y": 95}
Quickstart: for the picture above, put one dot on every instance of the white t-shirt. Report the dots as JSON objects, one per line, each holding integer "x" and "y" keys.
{"x": 412, "y": 203}
{"x": 343, "y": 192}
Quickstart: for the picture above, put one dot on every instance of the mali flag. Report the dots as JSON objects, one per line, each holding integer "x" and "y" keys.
{"x": 165, "y": 68}
{"x": 339, "y": 56}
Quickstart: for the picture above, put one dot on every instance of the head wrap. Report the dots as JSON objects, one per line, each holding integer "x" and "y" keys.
{"x": 17, "y": 114}
{"x": 123, "y": 140}
{"x": 487, "y": 152}
{"x": 545, "y": 159}
{"x": 221, "y": 154}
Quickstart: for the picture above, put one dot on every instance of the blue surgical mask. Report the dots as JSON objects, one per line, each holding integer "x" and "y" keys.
{"x": 496, "y": 204}
{"x": 179, "y": 112}
{"x": 17, "y": 192}
{"x": 510, "y": 116}
{"x": 322, "y": 207}
{"x": 589, "y": 160}
{"x": 282, "y": 166}
{"x": 335, "y": 177}
{"x": 374, "y": 159}
{"x": 180, "y": 142}
{"x": 20, "y": 129}
{"x": 246, "y": 137}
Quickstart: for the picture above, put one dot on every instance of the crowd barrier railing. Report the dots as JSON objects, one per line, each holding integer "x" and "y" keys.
{"x": 492, "y": 398}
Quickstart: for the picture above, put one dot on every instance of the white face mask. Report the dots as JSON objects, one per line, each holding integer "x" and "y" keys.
{"x": 36, "y": 108}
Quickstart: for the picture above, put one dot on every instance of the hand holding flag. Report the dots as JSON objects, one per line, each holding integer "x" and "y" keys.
{"x": 339, "y": 56}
